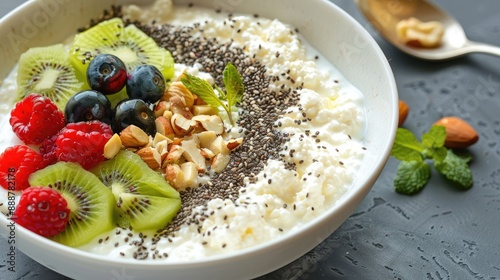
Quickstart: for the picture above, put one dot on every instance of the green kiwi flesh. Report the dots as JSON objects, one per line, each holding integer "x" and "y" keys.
{"x": 91, "y": 203}
{"x": 129, "y": 43}
{"x": 144, "y": 199}
{"x": 47, "y": 71}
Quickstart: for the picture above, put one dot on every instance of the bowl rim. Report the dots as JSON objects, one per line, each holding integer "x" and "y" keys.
{"x": 293, "y": 235}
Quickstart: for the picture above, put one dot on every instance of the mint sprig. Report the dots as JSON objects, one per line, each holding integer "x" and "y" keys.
{"x": 414, "y": 171}
{"x": 233, "y": 82}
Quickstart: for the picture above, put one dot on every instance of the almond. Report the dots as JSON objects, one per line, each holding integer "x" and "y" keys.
{"x": 168, "y": 115}
{"x": 177, "y": 141}
{"x": 160, "y": 138}
{"x": 174, "y": 176}
{"x": 459, "y": 134}
{"x": 161, "y": 107}
{"x": 403, "y": 112}
{"x": 174, "y": 154}
{"x": 210, "y": 123}
{"x": 133, "y": 137}
{"x": 181, "y": 125}
{"x": 178, "y": 89}
{"x": 219, "y": 162}
{"x": 164, "y": 127}
{"x": 193, "y": 154}
{"x": 151, "y": 157}
{"x": 218, "y": 146}
{"x": 190, "y": 171}
{"x": 206, "y": 138}
{"x": 112, "y": 147}
{"x": 162, "y": 148}
{"x": 177, "y": 106}
{"x": 204, "y": 110}
{"x": 233, "y": 144}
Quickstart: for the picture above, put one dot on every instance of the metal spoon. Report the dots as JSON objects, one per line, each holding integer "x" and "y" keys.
{"x": 385, "y": 14}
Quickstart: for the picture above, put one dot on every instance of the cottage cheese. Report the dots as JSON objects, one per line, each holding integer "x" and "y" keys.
{"x": 281, "y": 200}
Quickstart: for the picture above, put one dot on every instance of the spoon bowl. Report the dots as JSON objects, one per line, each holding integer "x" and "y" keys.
{"x": 385, "y": 14}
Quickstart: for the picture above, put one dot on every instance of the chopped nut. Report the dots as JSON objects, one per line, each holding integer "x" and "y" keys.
{"x": 168, "y": 115}
{"x": 177, "y": 141}
{"x": 204, "y": 110}
{"x": 133, "y": 136}
{"x": 207, "y": 153}
{"x": 174, "y": 176}
{"x": 174, "y": 154}
{"x": 210, "y": 123}
{"x": 193, "y": 154}
{"x": 161, "y": 138}
{"x": 178, "y": 89}
{"x": 219, "y": 162}
{"x": 164, "y": 127}
{"x": 162, "y": 148}
{"x": 233, "y": 144}
{"x": 414, "y": 32}
{"x": 177, "y": 106}
{"x": 190, "y": 174}
{"x": 112, "y": 147}
{"x": 206, "y": 138}
{"x": 218, "y": 146}
{"x": 151, "y": 157}
{"x": 181, "y": 125}
{"x": 161, "y": 108}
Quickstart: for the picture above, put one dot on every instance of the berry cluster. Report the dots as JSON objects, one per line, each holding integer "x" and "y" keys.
{"x": 88, "y": 122}
{"x": 36, "y": 120}
{"x": 77, "y": 135}
{"x": 107, "y": 76}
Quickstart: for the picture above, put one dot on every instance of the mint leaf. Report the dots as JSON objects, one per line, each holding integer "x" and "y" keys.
{"x": 222, "y": 94}
{"x": 203, "y": 89}
{"x": 234, "y": 85}
{"x": 439, "y": 154}
{"x": 456, "y": 169}
{"x": 406, "y": 146}
{"x": 412, "y": 177}
{"x": 435, "y": 137}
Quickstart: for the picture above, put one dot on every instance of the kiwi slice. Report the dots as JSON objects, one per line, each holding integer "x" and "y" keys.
{"x": 129, "y": 43}
{"x": 47, "y": 71}
{"x": 90, "y": 202}
{"x": 144, "y": 200}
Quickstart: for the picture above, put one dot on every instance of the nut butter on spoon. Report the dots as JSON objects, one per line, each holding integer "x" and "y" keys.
{"x": 385, "y": 15}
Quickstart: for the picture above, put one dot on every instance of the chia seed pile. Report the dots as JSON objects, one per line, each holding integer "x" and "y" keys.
{"x": 259, "y": 111}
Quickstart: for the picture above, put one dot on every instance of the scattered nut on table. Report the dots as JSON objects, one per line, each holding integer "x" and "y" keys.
{"x": 403, "y": 112}
{"x": 459, "y": 134}
{"x": 416, "y": 33}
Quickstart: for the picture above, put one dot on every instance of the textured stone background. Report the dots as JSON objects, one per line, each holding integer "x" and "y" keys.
{"x": 440, "y": 233}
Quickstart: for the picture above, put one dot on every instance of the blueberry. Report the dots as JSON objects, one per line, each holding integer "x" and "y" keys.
{"x": 88, "y": 105}
{"x": 136, "y": 112}
{"x": 146, "y": 83}
{"x": 107, "y": 74}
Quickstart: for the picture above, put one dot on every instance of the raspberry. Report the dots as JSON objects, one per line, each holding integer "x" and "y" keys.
{"x": 35, "y": 118}
{"x": 48, "y": 150}
{"x": 42, "y": 210}
{"x": 83, "y": 143}
{"x": 16, "y": 164}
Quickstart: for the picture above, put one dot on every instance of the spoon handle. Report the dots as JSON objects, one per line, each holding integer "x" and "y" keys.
{"x": 473, "y": 46}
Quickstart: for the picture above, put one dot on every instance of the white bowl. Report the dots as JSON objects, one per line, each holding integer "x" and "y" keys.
{"x": 341, "y": 39}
